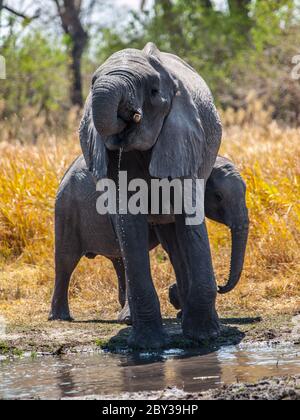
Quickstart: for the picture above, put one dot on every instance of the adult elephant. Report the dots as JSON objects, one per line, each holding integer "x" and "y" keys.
{"x": 160, "y": 112}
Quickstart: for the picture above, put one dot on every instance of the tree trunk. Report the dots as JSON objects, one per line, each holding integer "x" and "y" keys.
{"x": 69, "y": 12}
{"x": 77, "y": 50}
{"x": 207, "y": 4}
{"x": 239, "y": 6}
{"x": 240, "y": 9}
{"x": 1, "y": 7}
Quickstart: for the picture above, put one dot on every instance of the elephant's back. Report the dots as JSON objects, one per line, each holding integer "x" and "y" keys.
{"x": 76, "y": 177}
{"x": 76, "y": 206}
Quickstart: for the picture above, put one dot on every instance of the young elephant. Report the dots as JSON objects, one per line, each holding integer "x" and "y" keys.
{"x": 225, "y": 202}
{"x": 78, "y": 225}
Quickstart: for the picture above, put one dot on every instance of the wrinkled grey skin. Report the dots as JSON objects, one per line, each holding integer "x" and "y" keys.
{"x": 225, "y": 203}
{"x": 76, "y": 201}
{"x": 178, "y": 134}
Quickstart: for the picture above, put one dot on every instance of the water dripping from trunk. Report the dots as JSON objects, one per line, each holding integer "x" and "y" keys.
{"x": 120, "y": 204}
{"x": 120, "y": 216}
{"x": 120, "y": 160}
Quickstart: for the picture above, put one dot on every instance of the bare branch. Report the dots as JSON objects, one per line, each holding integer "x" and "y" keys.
{"x": 143, "y": 4}
{"x": 20, "y": 14}
{"x": 91, "y": 6}
{"x": 58, "y": 6}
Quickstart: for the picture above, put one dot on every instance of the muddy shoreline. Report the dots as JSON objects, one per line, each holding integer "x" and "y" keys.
{"x": 55, "y": 338}
{"x": 287, "y": 388}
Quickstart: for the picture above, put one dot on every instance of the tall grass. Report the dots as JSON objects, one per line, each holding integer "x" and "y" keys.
{"x": 269, "y": 158}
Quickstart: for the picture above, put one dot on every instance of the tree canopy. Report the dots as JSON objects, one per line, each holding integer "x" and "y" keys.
{"x": 240, "y": 46}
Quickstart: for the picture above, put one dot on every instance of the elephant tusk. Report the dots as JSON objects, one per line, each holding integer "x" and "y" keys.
{"x": 137, "y": 118}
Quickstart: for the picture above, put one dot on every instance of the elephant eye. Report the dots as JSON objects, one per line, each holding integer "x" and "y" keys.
{"x": 154, "y": 92}
{"x": 219, "y": 196}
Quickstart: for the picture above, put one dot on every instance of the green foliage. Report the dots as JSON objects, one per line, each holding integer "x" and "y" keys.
{"x": 36, "y": 73}
{"x": 247, "y": 46}
{"x": 271, "y": 19}
{"x": 224, "y": 46}
{"x": 4, "y": 349}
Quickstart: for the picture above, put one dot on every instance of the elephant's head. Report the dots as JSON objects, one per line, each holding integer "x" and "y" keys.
{"x": 136, "y": 103}
{"x": 225, "y": 202}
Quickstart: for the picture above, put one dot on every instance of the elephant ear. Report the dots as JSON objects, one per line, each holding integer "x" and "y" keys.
{"x": 92, "y": 145}
{"x": 180, "y": 147}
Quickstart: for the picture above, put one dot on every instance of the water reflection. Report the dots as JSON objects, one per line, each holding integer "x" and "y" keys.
{"x": 82, "y": 375}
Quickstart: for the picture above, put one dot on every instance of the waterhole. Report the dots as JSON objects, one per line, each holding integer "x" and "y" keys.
{"x": 105, "y": 373}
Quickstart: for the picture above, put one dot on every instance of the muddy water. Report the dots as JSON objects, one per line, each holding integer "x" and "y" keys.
{"x": 104, "y": 373}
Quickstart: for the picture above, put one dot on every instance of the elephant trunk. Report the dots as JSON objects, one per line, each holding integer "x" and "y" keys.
{"x": 239, "y": 245}
{"x": 107, "y": 95}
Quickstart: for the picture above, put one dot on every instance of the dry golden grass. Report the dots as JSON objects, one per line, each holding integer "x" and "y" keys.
{"x": 269, "y": 158}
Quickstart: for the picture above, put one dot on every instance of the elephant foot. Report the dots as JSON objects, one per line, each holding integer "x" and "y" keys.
{"x": 146, "y": 338}
{"x": 173, "y": 296}
{"x": 125, "y": 315}
{"x": 59, "y": 315}
{"x": 201, "y": 327}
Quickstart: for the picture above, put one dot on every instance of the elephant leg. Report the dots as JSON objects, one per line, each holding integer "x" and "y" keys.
{"x": 199, "y": 317}
{"x": 167, "y": 236}
{"x": 120, "y": 271}
{"x": 67, "y": 256}
{"x": 174, "y": 296}
{"x": 175, "y": 300}
{"x": 124, "y": 316}
{"x": 133, "y": 234}
{"x": 65, "y": 266}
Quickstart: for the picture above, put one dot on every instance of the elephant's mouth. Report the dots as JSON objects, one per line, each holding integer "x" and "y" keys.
{"x": 122, "y": 140}
{"x": 115, "y": 143}
{"x": 127, "y": 140}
